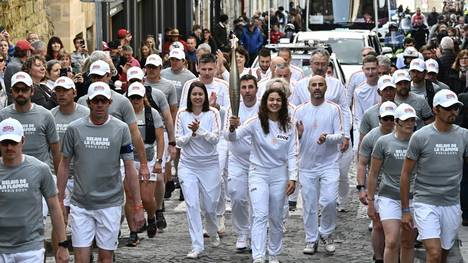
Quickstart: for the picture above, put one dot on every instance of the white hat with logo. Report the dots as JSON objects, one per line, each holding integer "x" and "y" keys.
{"x": 154, "y": 60}
{"x": 64, "y": 82}
{"x": 99, "y": 88}
{"x": 177, "y": 53}
{"x": 400, "y": 75}
{"x": 387, "y": 109}
{"x": 410, "y": 52}
{"x": 384, "y": 82}
{"x": 11, "y": 129}
{"x": 136, "y": 88}
{"x": 22, "y": 77}
{"x": 432, "y": 66}
{"x": 99, "y": 67}
{"x": 405, "y": 111}
{"x": 445, "y": 98}
{"x": 135, "y": 73}
{"x": 417, "y": 64}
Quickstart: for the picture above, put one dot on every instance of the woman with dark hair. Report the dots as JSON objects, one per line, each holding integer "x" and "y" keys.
{"x": 35, "y": 67}
{"x": 197, "y": 135}
{"x": 273, "y": 169}
{"x": 242, "y": 58}
{"x": 54, "y": 47}
{"x": 53, "y": 68}
{"x": 145, "y": 51}
{"x": 208, "y": 39}
{"x": 457, "y": 73}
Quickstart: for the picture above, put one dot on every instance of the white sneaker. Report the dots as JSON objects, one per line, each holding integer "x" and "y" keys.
{"x": 329, "y": 245}
{"x": 273, "y": 259}
{"x": 215, "y": 241}
{"x": 242, "y": 242}
{"x": 194, "y": 254}
{"x": 259, "y": 260}
{"x": 371, "y": 225}
{"x": 310, "y": 248}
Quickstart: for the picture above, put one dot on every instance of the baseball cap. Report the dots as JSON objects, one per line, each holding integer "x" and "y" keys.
{"x": 99, "y": 67}
{"x": 135, "y": 73}
{"x": 64, "y": 82}
{"x": 122, "y": 33}
{"x": 154, "y": 60}
{"x": 176, "y": 44}
{"x": 410, "y": 52}
{"x": 24, "y": 45}
{"x": 387, "y": 109}
{"x": 417, "y": 64}
{"x": 11, "y": 129}
{"x": 432, "y": 66}
{"x": 136, "y": 88}
{"x": 177, "y": 53}
{"x": 445, "y": 98}
{"x": 400, "y": 75}
{"x": 99, "y": 88}
{"x": 405, "y": 111}
{"x": 22, "y": 77}
{"x": 384, "y": 82}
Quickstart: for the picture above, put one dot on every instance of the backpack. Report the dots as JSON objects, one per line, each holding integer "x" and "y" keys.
{"x": 150, "y": 133}
{"x": 149, "y": 96}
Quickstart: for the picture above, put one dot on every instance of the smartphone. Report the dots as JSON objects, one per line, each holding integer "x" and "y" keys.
{"x": 63, "y": 72}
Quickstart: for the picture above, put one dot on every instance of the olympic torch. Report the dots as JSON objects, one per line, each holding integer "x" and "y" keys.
{"x": 234, "y": 88}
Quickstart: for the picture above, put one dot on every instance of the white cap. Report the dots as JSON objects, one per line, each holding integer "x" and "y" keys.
{"x": 176, "y": 44}
{"x": 417, "y": 64}
{"x": 136, "y": 88}
{"x": 22, "y": 77}
{"x": 445, "y": 98}
{"x": 177, "y": 53}
{"x": 154, "y": 60}
{"x": 99, "y": 67}
{"x": 410, "y": 52}
{"x": 385, "y": 81}
{"x": 11, "y": 129}
{"x": 64, "y": 82}
{"x": 99, "y": 88}
{"x": 405, "y": 111}
{"x": 387, "y": 109}
{"x": 400, "y": 75}
{"x": 432, "y": 66}
{"x": 135, "y": 73}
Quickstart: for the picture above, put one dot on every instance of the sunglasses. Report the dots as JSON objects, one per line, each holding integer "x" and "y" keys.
{"x": 21, "y": 90}
{"x": 454, "y": 107}
{"x": 8, "y": 142}
{"x": 388, "y": 118}
{"x": 100, "y": 100}
{"x": 135, "y": 97}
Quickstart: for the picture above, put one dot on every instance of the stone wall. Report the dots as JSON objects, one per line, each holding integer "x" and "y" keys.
{"x": 22, "y": 16}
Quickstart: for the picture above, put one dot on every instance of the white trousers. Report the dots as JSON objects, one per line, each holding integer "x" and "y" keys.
{"x": 319, "y": 188}
{"x": 32, "y": 256}
{"x": 344, "y": 163}
{"x": 238, "y": 189}
{"x": 222, "y": 149}
{"x": 267, "y": 194}
{"x": 201, "y": 185}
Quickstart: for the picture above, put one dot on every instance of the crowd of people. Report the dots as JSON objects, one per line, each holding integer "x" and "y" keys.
{"x": 91, "y": 139}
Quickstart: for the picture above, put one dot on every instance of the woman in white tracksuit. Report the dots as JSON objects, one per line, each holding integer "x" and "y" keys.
{"x": 272, "y": 171}
{"x": 197, "y": 134}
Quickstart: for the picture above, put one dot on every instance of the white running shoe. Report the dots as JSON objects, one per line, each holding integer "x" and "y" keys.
{"x": 194, "y": 254}
{"x": 329, "y": 245}
{"x": 310, "y": 248}
{"x": 259, "y": 260}
{"x": 242, "y": 242}
{"x": 371, "y": 225}
{"x": 273, "y": 259}
{"x": 215, "y": 241}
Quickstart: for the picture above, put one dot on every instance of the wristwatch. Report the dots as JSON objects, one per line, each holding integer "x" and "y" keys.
{"x": 66, "y": 243}
{"x": 159, "y": 160}
{"x": 172, "y": 143}
{"x": 360, "y": 187}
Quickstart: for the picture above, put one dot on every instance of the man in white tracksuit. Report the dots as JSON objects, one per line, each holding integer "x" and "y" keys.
{"x": 320, "y": 129}
{"x": 238, "y": 166}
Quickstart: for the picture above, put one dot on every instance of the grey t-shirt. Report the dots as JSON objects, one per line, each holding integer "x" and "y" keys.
{"x": 370, "y": 119}
{"x": 167, "y": 88}
{"x": 121, "y": 108}
{"x": 63, "y": 120}
{"x": 392, "y": 152}
{"x": 420, "y": 105}
{"x": 439, "y": 166}
{"x": 97, "y": 150}
{"x": 21, "y": 191}
{"x": 368, "y": 142}
{"x": 177, "y": 79}
{"x": 157, "y": 123}
{"x": 39, "y": 129}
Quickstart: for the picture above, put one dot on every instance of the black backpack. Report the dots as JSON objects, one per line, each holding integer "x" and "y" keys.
{"x": 150, "y": 133}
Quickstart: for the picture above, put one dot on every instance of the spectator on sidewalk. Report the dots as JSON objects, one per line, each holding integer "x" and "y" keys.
{"x": 220, "y": 33}
{"x": 252, "y": 39}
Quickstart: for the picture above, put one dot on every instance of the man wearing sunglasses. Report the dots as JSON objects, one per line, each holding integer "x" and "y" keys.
{"x": 419, "y": 84}
{"x": 24, "y": 181}
{"x": 386, "y": 125}
{"x": 97, "y": 144}
{"x": 436, "y": 152}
